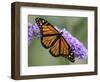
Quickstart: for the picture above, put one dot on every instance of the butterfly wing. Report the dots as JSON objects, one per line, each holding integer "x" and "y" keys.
{"x": 71, "y": 57}
{"x": 62, "y": 48}
{"x": 54, "y": 50}
{"x": 49, "y": 39}
{"x": 48, "y": 32}
{"x": 65, "y": 50}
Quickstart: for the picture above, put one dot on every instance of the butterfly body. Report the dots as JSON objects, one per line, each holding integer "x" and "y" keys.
{"x": 53, "y": 39}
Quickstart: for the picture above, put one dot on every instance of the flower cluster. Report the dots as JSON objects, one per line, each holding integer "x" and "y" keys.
{"x": 77, "y": 47}
{"x": 33, "y": 31}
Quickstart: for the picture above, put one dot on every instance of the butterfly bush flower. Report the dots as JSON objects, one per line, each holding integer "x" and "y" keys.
{"x": 33, "y": 31}
{"x": 77, "y": 47}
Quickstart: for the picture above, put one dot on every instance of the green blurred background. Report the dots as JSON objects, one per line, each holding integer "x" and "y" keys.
{"x": 39, "y": 56}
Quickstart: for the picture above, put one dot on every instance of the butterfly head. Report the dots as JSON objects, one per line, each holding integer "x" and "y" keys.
{"x": 60, "y": 35}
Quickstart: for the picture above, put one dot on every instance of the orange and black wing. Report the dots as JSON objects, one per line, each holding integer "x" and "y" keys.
{"x": 65, "y": 50}
{"x": 60, "y": 47}
{"x": 55, "y": 49}
{"x": 64, "y": 47}
{"x": 49, "y": 39}
{"x": 48, "y": 32}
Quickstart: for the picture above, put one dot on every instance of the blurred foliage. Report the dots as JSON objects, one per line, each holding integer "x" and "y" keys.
{"x": 39, "y": 56}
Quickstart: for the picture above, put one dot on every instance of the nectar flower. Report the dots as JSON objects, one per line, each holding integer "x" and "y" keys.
{"x": 77, "y": 47}
{"x": 33, "y": 31}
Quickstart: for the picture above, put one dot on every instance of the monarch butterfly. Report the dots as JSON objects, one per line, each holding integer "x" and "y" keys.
{"x": 53, "y": 39}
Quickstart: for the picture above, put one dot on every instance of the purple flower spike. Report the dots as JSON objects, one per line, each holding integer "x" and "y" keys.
{"x": 36, "y": 30}
{"x": 30, "y": 33}
{"x": 33, "y": 31}
{"x": 77, "y": 47}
